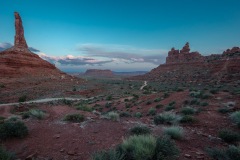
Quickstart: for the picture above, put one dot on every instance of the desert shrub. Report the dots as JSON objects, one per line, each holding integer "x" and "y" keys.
{"x": 159, "y": 106}
{"x": 108, "y": 104}
{"x": 138, "y": 115}
{"x": 83, "y": 107}
{"x": 188, "y": 110}
{"x": 224, "y": 110}
{"x": 196, "y": 94}
{"x": 230, "y": 153}
{"x": 114, "y": 116}
{"x": 2, "y": 118}
{"x": 74, "y": 118}
{"x": 152, "y": 111}
{"x": 194, "y": 101}
{"x": 167, "y": 117}
{"x": 135, "y": 96}
{"x": 214, "y": 91}
{"x": 37, "y": 113}
{"x": 11, "y": 129}
{"x": 166, "y": 94}
{"x": 22, "y": 98}
{"x": 2, "y": 86}
{"x": 204, "y": 104}
{"x": 165, "y": 149}
{"x": 109, "y": 98}
{"x": 172, "y": 103}
{"x": 187, "y": 119}
{"x": 148, "y": 103}
{"x": 25, "y": 115}
{"x": 228, "y": 135}
{"x": 5, "y": 155}
{"x": 157, "y": 100}
{"x": 140, "y": 147}
{"x": 236, "y": 118}
{"x": 107, "y": 155}
{"x": 205, "y": 96}
{"x": 140, "y": 130}
{"x": 179, "y": 89}
{"x": 174, "y": 132}
{"x": 169, "y": 108}
{"x": 67, "y": 102}
{"x": 125, "y": 114}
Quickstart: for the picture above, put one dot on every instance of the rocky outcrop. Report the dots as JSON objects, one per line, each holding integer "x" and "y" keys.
{"x": 232, "y": 51}
{"x": 19, "y": 61}
{"x": 19, "y": 41}
{"x": 191, "y": 67}
{"x": 183, "y": 56}
{"x": 98, "y": 72}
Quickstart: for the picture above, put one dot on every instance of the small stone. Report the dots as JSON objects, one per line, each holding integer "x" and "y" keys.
{"x": 71, "y": 153}
{"x": 187, "y": 156}
{"x": 62, "y": 150}
{"x": 56, "y": 136}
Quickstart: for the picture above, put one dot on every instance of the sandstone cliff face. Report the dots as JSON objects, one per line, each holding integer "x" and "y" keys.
{"x": 98, "y": 72}
{"x": 186, "y": 66}
{"x": 19, "y": 61}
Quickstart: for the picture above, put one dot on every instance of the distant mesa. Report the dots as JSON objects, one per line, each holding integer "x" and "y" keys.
{"x": 99, "y": 72}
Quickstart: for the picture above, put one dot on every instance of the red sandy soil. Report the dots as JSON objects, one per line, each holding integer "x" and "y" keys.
{"x": 52, "y": 138}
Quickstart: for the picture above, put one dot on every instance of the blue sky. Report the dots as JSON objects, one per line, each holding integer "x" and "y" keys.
{"x": 122, "y": 35}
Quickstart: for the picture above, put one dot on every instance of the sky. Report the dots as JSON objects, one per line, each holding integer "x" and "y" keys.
{"x": 121, "y": 35}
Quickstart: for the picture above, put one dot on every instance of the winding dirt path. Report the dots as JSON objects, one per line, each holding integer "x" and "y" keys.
{"x": 144, "y": 85}
{"x": 44, "y": 100}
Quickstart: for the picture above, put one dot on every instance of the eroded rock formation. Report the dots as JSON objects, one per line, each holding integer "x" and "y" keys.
{"x": 183, "y": 56}
{"x": 191, "y": 67}
{"x": 19, "y": 41}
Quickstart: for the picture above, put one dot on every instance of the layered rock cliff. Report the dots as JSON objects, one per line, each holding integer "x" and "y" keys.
{"x": 186, "y": 66}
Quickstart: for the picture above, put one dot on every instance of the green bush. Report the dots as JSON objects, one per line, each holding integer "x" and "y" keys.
{"x": 138, "y": 115}
{"x": 167, "y": 117}
{"x": 140, "y": 130}
{"x": 109, "y": 98}
{"x": 157, "y": 100}
{"x": 236, "y": 118}
{"x": 188, "y": 110}
{"x": 10, "y": 129}
{"x": 67, "y": 102}
{"x": 125, "y": 114}
{"x": 194, "y": 101}
{"x": 224, "y": 110}
{"x": 108, "y": 105}
{"x": 228, "y": 135}
{"x": 174, "y": 132}
{"x": 107, "y": 155}
{"x": 22, "y": 98}
{"x": 152, "y": 111}
{"x": 169, "y": 108}
{"x": 165, "y": 149}
{"x": 187, "y": 119}
{"x": 230, "y": 153}
{"x": 114, "y": 116}
{"x": 159, "y": 106}
{"x": 166, "y": 94}
{"x": 172, "y": 103}
{"x": 214, "y": 91}
{"x": 140, "y": 147}
{"x": 5, "y": 155}
{"x": 2, "y": 118}
{"x": 204, "y": 104}
{"x": 148, "y": 103}
{"x": 74, "y": 118}
{"x": 36, "y": 113}
{"x": 83, "y": 107}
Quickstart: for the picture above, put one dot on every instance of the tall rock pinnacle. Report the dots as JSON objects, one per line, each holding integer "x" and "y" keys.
{"x": 19, "y": 41}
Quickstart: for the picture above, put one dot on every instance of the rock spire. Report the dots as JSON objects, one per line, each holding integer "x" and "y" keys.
{"x": 19, "y": 41}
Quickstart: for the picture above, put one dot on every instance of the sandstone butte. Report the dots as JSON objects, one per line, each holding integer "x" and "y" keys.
{"x": 99, "y": 72}
{"x": 185, "y": 66}
{"x": 19, "y": 61}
